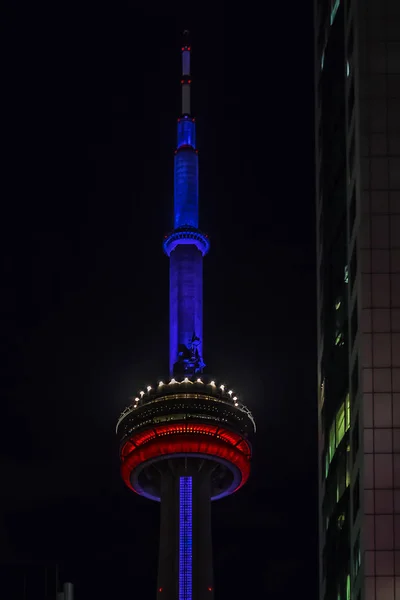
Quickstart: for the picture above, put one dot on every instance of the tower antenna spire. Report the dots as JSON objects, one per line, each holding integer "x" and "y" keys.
{"x": 186, "y": 79}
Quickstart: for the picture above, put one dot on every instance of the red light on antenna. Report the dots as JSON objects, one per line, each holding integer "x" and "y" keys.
{"x": 160, "y": 589}
{"x": 210, "y": 589}
{"x": 189, "y": 81}
{"x": 189, "y": 48}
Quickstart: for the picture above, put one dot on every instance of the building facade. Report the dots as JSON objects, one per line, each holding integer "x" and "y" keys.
{"x": 357, "y": 138}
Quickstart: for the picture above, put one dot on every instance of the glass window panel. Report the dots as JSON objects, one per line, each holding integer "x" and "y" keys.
{"x": 393, "y": 57}
{"x": 382, "y": 410}
{"x": 366, "y": 320}
{"x": 368, "y": 440}
{"x": 369, "y": 502}
{"x": 396, "y": 410}
{"x": 368, "y": 471}
{"x": 383, "y": 474}
{"x": 383, "y": 440}
{"x": 366, "y": 289}
{"x": 380, "y": 229}
{"x": 340, "y": 423}
{"x": 396, "y": 349}
{"x": 384, "y": 502}
{"x": 395, "y": 261}
{"x": 370, "y": 588}
{"x": 369, "y": 536}
{"x": 379, "y": 202}
{"x": 381, "y": 350}
{"x": 379, "y": 174}
{"x": 369, "y": 562}
{"x": 380, "y": 261}
{"x": 395, "y": 231}
{"x": 348, "y": 411}
{"x": 381, "y": 320}
{"x": 394, "y": 165}
{"x": 332, "y": 441}
{"x": 395, "y": 289}
{"x": 396, "y": 380}
{"x": 395, "y": 316}
{"x": 367, "y": 402}
{"x": 381, "y": 291}
{"x": 366, "y": 350}
{"x": 378, "y": 144}
{"x": 396, "y": 440}
{"x": 382, "y": 380}
{"x": 396, "y": 463}
{"x": 384, "y": 588}
{"x": 384, "y": 563}
{"x": 397, "y": 531}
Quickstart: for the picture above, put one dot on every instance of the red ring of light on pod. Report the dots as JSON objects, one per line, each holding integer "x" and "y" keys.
{"x": 165, "y": 440}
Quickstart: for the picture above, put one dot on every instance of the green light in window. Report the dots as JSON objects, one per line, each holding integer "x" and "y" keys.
{"x": 339, "y": 340}
{"x": 346, "y": 274}
{"x": 322, "y": 60}
{"x": 348, "y": 594}
{"x": 347, "y": 68}
{"x": 340, "y": 417}
{"x": 332, "y": 446}
{"x": 338, "y": 304}
{"x": 334, "y": 10}
{"x": 347, "y": 411}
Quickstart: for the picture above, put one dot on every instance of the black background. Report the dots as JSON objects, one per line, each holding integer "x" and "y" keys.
{"x": 91, "y": 101}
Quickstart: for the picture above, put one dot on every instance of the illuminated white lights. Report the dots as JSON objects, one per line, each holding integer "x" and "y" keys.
{"x": 199, "y": 381}
{"x": 160, "y": 383}
{"x": 235, "y": 398}
{"x": 135, "y": 406}
{"x": 236, "y": 403}
{"x": 141, "y": 394}
{"x": 222, "y": 387}
{"x": 136, "y": 399}
{"x": 186, "y": 380}
{"x": 172, "y": 381}
{"x": 148, "y": 388}
{"x": 230, "y": 392}
{"x": 212, "y": 383}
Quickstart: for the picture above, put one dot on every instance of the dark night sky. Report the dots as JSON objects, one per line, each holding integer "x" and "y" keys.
{"x": 91, "y": 107}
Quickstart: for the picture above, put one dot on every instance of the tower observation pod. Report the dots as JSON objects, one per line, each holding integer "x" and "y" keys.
{"x": 185, "y": 441}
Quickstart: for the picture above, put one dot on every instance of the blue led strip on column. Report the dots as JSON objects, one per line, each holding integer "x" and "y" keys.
{"x": 185, "y": 538}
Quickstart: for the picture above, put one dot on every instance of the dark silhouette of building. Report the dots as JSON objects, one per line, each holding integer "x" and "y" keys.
{"x": 32, "y": 581}
{"x": 357, "y": 84}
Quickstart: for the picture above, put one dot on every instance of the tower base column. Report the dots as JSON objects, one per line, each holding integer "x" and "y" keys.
{"x": 185, "y": 557}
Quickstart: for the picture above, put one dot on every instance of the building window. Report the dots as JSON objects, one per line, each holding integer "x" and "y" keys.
{"x": 334, "y": 8}
{"x": 355, "y": 442}
{"x": 354, "y": 381}
{"x": 348, "y": 588}
{"x": 340, "y": 424}
{"x": 356, "y": 556}
{"x": 332, "y": 446}
{"x": 354, "y": 324}
{"x": 356, "y": 498}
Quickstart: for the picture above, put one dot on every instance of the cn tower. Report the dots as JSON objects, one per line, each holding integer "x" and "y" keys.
{"x": 185, "y": 441}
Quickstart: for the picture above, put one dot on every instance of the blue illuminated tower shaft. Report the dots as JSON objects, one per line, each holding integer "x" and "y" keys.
{"x": 185, "y": 558}
{"x": 186, "y": 245}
